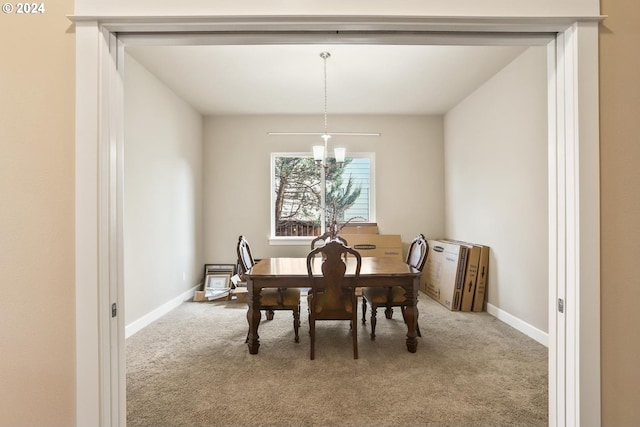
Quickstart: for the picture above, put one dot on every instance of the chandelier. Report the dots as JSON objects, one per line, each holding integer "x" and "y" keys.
{"x": 320, "y": 151}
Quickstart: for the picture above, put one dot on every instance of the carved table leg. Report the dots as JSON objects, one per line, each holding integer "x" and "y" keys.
{"x": 253, "y": 317}
{"x": 411, "y": 314}
{"x": 388, "y": 313}
{"x": 374, "y": 321}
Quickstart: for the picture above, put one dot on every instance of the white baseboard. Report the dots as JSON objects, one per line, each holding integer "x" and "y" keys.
{"x": 154, "y": 315}
{"x": 531, "y": 331}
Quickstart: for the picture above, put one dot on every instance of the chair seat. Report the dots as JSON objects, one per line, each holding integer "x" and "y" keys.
{"x": 379, "y": 296}
{"x": 325, "y": 303}
{"x": 271, "y": 297}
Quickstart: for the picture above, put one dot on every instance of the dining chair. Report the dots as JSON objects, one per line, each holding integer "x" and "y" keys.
{"x": 331, "y": 298}
{"x": 271, "y": 298}
{"x": 394, "y": 296}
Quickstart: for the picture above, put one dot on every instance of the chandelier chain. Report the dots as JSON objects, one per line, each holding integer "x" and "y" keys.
{"x": 325, "y": 135}
{"x": 324, "y": 56}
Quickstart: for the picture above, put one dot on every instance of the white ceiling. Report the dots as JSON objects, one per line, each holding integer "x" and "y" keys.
{"x": 288, "y": 79}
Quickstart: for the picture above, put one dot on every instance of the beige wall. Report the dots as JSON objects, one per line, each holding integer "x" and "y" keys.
{"x": 237, "y": 188}
{"x": 496, "y": 178}
{"x": 163, "y": 231}
{"x": 620, "y": 210}
{"x": 37, "y": 322}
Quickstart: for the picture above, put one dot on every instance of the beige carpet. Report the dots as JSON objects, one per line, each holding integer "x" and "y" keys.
{"x": 192, "y": 368}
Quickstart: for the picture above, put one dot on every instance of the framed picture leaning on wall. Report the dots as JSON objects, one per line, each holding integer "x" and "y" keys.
{"x": 217, "y": 286}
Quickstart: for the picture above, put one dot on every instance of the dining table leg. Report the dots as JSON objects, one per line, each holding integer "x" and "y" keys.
{"x": 253, "y": 317}
{"x": 411, "y": 314}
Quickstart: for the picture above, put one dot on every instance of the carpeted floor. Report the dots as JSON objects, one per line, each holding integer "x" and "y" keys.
{"x": 192, "y": 368}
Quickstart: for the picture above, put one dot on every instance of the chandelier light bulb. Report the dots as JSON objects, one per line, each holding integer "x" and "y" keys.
{"x": 318, "y": 153}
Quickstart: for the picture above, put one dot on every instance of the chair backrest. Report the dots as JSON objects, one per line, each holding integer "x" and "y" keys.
{"x": 417, "y": 254}
{"x": 245, "y": 259}
{"x": 333, "y": 272}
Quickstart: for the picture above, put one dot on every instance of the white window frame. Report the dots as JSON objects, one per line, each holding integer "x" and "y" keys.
{"x": 304, "y": 240}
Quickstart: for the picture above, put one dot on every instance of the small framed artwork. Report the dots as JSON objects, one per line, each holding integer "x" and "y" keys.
{"x": 217, "y": 286}
{"x": 217, "y": 281}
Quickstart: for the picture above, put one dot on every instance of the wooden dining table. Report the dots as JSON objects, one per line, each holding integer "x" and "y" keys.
{"x": 292, "y": 273}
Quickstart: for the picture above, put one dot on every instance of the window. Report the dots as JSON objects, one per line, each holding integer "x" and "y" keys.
{"x": 305, "y": 197}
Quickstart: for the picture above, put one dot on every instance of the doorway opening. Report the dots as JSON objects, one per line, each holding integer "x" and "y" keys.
{"x": 110, "y": 286}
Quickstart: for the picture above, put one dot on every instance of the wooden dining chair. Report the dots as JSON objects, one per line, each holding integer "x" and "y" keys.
{"x": 393, "y": 296}
{"x": 330, "y": 297}
{"x": 271, "y": 298}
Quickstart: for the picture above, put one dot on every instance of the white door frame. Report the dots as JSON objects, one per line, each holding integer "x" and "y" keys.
{"x": 574, "y": 254}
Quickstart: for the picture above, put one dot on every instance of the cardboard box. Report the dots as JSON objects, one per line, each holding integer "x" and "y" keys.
{"x": 198, "y": 296}
{"x": 483, "y": 279}
{"x": 470, "y": 278}
{"x": 375, "y": 245}
{"x": 356, "y": 228}
{"x": 471, "y": 274}
{"x": 444, "y": 270}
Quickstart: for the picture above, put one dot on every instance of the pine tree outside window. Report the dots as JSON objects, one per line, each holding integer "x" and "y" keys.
{"x": 297, "y": 205}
